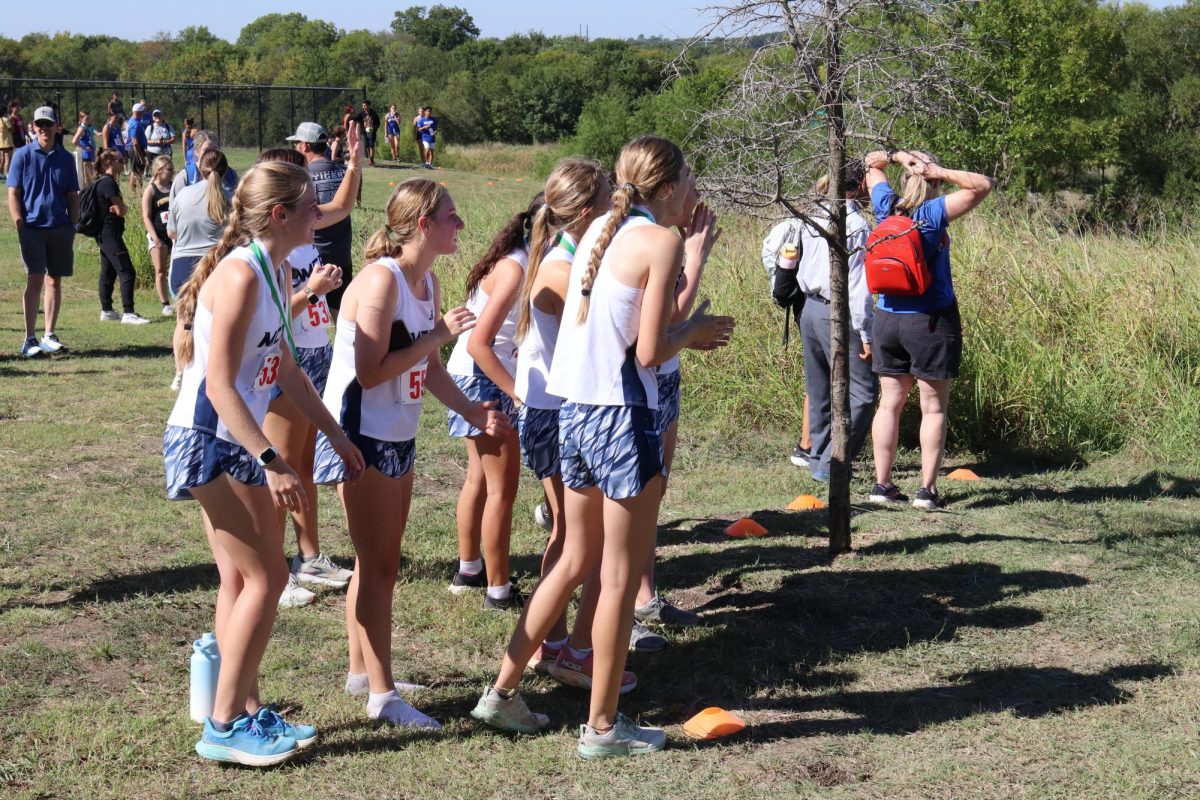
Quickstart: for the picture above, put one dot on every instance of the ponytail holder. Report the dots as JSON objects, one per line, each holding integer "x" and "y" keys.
{"x": 390, "y": 232}
{"x": 585, "y": 292}
{"x": 627, "y": 185}
{"x": 187, "y": 326}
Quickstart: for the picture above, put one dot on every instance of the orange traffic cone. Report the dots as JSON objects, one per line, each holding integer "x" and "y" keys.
{"x": 745, "y": 527}
{"x": 806, "y": 502}
{"x": 713, "y": 723}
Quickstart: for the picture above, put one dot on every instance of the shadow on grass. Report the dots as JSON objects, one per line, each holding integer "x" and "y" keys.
{"x": 119, "y": 588}
{"x": 1152, "y": 486}
{"x": 132, "y": 351}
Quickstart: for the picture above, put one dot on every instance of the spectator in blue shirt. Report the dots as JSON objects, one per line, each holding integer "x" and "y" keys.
{"x": 918, "y": 338}
{"x": 135, "y": 132}
{"x": 43, "y": 201}
{"x": 427, "y": 127}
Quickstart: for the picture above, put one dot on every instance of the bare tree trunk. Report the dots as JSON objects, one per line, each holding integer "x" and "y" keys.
{"x": 839, "y": 305}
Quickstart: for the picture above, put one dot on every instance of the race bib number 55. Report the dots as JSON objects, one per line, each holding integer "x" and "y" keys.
{"x": 412, "y": 386}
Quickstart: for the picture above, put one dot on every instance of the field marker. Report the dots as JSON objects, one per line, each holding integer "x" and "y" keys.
{"x": 713, "y": 723}
{"x": 963, "y": 475}
{"x": 806, "y": 502}
{"x": 745, "y": 527}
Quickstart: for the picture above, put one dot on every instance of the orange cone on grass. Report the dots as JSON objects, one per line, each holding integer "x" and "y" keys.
{"x": 713, "y": 723}
{"x": 806, "y": 502}
{"x": 963, "y": 475}
{"x": 745, "y": 527}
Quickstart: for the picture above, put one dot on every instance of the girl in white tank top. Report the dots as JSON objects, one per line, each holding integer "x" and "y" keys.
{"x": 216, "y": 451}
{"x": 614, "y": 331}
{"x": 482, "y": 366}
{"x": 386, "y": 356}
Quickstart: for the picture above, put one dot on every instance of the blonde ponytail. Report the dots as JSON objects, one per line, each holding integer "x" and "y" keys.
{"x": 189, "y": 293}
{"x": 621, "y": 203}
{"x": 537, "y": 244}
{"x": 411, "y": 200}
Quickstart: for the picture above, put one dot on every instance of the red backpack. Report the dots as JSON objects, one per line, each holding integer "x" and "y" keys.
{"x": 896, "y": 258}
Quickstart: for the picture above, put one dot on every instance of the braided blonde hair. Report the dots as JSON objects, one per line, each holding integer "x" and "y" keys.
{"x": 411, "y": 200}
{"x": 571, "y": 190}
{"x": 644, "y": 166}
{"x": 261, "y": 189}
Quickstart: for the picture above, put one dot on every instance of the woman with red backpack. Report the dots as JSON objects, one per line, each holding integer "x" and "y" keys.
{"x": 917, "y": 338}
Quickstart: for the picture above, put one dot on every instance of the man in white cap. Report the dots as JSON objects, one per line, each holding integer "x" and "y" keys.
{"x": 43, "y": 201}
{"x": 333, "y": 243}
{"x": 136, "y": 132}
{"x": 159, "y": 139}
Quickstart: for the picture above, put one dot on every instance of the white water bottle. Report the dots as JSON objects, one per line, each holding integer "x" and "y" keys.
{"x": 206, "y": 665}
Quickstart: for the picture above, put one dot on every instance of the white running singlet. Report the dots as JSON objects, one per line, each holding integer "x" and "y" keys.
{"x": 259, "y": 366}
{"x": 391, "y": 411}
{"x": 504, "y": 344}
{"x": 536, "y": 351}
{"x": 311, "y": 324}
{"x": 595, "y": 362}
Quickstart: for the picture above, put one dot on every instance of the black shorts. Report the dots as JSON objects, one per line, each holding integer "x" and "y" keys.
{"x": 925, "y": 345}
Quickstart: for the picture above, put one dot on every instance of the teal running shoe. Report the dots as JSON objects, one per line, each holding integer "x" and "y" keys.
{"x": 274, "y": 724}
{"x": 245, "y": 743}
{"x": 624, "y": 739}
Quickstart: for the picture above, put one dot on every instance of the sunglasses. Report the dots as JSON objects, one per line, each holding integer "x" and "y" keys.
{"x": 43, "y": 124}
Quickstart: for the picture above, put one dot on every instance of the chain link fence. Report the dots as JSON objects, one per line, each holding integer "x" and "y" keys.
{"x": 243, "y": 116}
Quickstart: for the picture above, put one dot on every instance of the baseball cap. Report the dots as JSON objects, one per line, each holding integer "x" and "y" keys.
{"x": 309, "y": 132}
{"x": 157, "y": 112}
{"x": 46, "y": 113}
{"x": 138, "y": 107}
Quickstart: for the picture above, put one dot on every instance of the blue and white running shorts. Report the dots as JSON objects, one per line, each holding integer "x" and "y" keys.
{"x": 315, "y": 362}
{"x": 538, "y": 429}
{"x": 617, "y": 448}
{"x": 479, "y": 389}
{"x": 393, "y": 459}
{"x": 194, "y": 458}
{"x": 669, "y": 395}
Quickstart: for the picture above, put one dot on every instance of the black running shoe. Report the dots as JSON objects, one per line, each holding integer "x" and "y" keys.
{"x": 800, "y": 457}
{"x": 461, "y": 584}
{"x": 887, "y": 494}
{"x": 930, "y": 501}
{"x": 514, "y": 602}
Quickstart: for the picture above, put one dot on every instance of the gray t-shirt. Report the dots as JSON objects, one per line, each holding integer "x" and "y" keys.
{"x": 195, "y": 231}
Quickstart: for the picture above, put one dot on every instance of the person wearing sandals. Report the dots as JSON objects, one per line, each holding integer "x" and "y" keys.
{"x": 385, "y": 356}
{"x": 620, "y": 301}
{"x": 918, "y": 339}
{"x": 237, "y": 347}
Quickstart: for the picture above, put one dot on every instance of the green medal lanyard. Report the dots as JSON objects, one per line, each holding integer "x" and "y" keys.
{"x": 563, "y": 239}
{"x": 637, "y": 212}
{"x": 284, "y": 318}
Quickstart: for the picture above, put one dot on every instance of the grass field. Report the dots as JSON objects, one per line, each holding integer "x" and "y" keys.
{"x": 1039, "y": 639}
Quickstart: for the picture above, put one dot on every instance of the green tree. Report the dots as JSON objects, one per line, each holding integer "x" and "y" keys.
{"x": 443, "y": 27}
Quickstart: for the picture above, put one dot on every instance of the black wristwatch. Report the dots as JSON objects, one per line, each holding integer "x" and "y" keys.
{"x": 313, "y": 298}
{"x": 267, "y": 456}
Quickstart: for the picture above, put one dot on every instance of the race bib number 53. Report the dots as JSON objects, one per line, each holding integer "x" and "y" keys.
{"x": 268, "y": 372}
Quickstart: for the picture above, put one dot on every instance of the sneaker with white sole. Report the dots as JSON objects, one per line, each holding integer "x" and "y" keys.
{"x": 800, "y": 458}
{"x": 274, "y": 724}
{"x": 397, "y": 712}
{"x": 929, "y": 500}
{"x": 887, "y": 494}
{"x": 133, "y": 318}
{"x": 462, "y": 583}
{"x": 541, "y": 515}
{"x": 644, "y": 640}
{"x": 51, "y": 344}
{"x": 508, "y": 713}
{"x": 514, "y": 602}
{"x": 320, "y": 570}
{"x": 577, "y": 672}
{"x": 177, "y": 382}
{"x": 294, "y": 595}
{"x": 543, "y": 657}
{"x": 625, "y": 738}
{"x": 167, "y": 310}
{"x": 660, "y": 611}
{"x": 31, "y": 348}
{"x": 245, "y": 743}
{"x": 110, "y": 316}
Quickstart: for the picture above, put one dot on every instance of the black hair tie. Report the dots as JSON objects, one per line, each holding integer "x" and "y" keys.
{"x": 585, "y": 292}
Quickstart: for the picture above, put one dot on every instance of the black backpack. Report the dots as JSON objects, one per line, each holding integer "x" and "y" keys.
{"x": 91, "y": 215}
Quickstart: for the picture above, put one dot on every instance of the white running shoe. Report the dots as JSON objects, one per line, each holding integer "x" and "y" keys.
{"x": 31, "y": 348}
{"x": 51, "y": 344}
{"x": 320, "y": 570}
{"x": 110, "y": 316}
{"x": 294, "y": 595}
{"x": 133, "y": 318}
{"x": 167, "y": 310}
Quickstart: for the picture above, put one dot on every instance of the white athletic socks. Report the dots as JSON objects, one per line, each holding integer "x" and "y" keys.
{"x": 500, "y": 592}
{"x": 357, "y": 685}
{"x": 555, "y": 645}
{"x": 470, "y": 567}
{"x": 579, "y": 655}
{"x": 388, "y": 707}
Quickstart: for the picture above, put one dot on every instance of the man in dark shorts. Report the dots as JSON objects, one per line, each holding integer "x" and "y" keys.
{"x": 137, "y": 146}
{"x": 334, "y": 244}
{"x": 43, "y": 201}
{"x": 368, "y": 118}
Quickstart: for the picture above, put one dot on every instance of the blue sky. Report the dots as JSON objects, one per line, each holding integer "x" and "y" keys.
{"x": 498, "y": 18}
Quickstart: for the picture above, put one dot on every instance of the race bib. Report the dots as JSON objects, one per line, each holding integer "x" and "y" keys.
{"x": 411, "y": 389}
{"x": 318, "y": 314}
{"x": 268, "y": 373}
{"x": 164, "y": 217}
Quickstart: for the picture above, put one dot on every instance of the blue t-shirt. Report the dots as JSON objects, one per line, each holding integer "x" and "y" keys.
{"x": 428, "y": 128}
{"x": 136, "y": 131}
{"x": 44, "y": 180}
{"x": 933, "y": 220}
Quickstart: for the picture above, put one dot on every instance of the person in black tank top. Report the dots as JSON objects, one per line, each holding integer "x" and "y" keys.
{"x": 156, "y": 203}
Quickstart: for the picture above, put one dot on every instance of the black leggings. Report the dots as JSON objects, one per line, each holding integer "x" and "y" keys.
{"x": 115, "y": 263}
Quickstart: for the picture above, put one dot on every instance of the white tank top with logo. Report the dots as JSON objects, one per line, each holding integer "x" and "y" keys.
{"x": 505, "y": 342}
{"x": 595, "y": 362}
{"x": 310, "y": 326}
{"x": 258, "y": 369}
{"x": 390, "y": 411}
{"x": 536, "y": 351}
